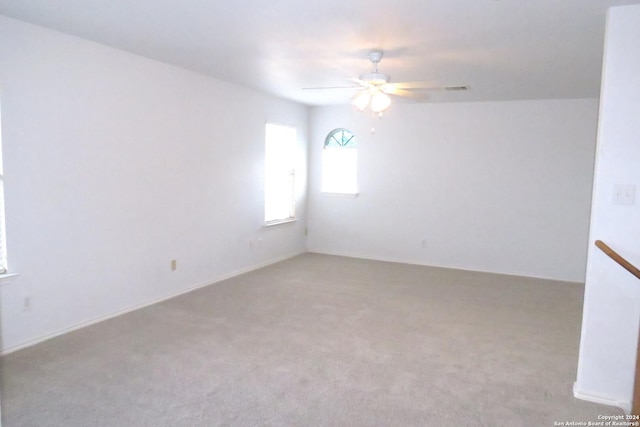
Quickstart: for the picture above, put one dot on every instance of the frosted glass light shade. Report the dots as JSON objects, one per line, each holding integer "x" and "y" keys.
{"x": 380, "y": 102}
{"x": 362, "y": 100}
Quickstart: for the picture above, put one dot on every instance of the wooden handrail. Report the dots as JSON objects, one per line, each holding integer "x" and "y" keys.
{"x": 617, "y": 258}
{"x": 635, "y": 404}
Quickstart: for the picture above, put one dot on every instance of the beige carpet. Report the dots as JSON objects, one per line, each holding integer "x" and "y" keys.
{"x": 323, "y": 341}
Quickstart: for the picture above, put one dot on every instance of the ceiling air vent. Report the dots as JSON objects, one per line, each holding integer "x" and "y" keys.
{"x": 456, "y": 88}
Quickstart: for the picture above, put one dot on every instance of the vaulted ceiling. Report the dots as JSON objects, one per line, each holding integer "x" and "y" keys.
{"x": 502, "y": 49}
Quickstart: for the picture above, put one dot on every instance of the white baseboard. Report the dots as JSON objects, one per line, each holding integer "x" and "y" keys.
{"x": 415, "y": 262}
{"x": 90, "y": 322}
{"x": 624, "y": 405}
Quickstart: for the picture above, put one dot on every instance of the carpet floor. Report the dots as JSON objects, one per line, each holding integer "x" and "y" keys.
{"x": 318, "y": 340}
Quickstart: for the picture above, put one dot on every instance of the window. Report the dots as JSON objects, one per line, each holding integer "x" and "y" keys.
{"x": 339, "y": 163}
{"x": 3, "y": 247}
{"x": 280, "y": 174}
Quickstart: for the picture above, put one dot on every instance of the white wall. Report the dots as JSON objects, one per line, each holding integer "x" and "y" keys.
{"x": 115, "y": 165}
{"x": 611, "y": 311}
{"x": 502, "y": 187}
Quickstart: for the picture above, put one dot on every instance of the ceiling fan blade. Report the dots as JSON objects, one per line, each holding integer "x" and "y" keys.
{"x": 406, "y": 94}
{"x": 362, "y": 83}
{"x": 332, "y": 87}
{"x": 427, "y": 86}
{"x": 415, "y": 85}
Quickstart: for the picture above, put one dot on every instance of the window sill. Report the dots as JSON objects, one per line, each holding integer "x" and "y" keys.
{"x": 349, "y": 195}
{"x": 274, "y": 223}
{"x": 6, "y": 278}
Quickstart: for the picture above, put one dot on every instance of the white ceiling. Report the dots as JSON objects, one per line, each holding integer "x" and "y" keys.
{"x": 502, "y": 49}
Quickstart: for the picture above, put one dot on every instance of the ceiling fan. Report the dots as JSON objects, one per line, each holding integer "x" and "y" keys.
{"x": 376, "y": 88}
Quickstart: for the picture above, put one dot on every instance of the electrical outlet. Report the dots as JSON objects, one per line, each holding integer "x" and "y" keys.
{"x": 174, "y": 265}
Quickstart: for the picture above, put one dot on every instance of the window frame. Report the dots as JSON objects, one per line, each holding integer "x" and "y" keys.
{"x": 286, "y": 175}
{"x": 6, "y": 276}
{"x": 350, "y": 190}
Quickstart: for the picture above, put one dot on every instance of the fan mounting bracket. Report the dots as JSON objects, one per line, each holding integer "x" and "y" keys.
{"x": 375, "y": 56}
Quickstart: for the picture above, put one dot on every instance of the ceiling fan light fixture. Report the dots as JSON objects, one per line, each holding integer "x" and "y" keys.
{"x": 380, "y": 101}
{"x": 362, "y": 100}
{"x": 376, "y": 86}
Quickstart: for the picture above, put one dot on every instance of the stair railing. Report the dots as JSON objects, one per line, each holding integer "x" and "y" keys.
{"x": 617, "y": 258}
{"x": 635, "y": 406}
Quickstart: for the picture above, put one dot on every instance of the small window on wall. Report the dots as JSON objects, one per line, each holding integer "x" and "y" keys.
{"x": 340, "y": 163}
{"x": 280, "y": 174}
{"x": 3, "y": 246}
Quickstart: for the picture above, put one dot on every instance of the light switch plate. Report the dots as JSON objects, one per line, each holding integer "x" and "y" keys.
{"x": 624, "y": 194}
